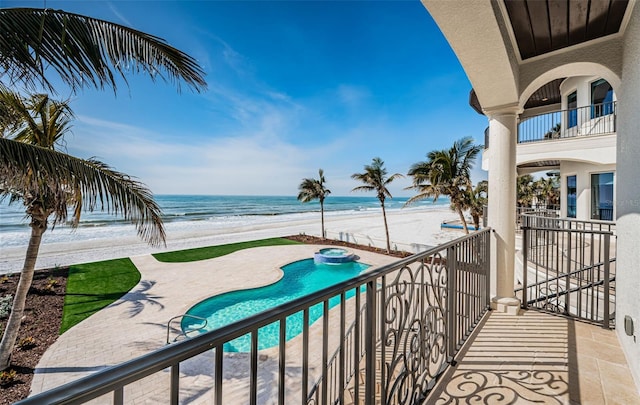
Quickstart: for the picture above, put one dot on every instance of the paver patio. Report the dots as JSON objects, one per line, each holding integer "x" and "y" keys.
{"x": 533, "y": 357}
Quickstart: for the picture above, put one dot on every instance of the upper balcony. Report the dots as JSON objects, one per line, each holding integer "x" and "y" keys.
{"x": 585, "y": 134}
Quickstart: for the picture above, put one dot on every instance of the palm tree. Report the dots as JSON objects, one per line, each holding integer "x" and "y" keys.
{"x": 525, "y": 189}
{"x": 477, "y": 200}
{"x": 375, "y": 179}
{"x": 85, "y": 51}
{"x": 446, "y": 172}
{"x": 314, "y": 189}
{"x": 547, "y": 190}
{"x": 49, "y": 182}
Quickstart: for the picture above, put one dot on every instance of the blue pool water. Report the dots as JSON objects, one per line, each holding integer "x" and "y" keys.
{"x": 300, "y": 278}
{"x": 334, "y": 252}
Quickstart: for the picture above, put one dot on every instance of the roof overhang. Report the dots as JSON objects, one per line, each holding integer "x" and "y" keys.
{"x": 544, "y": 26}
{"x": 530, "y": 31}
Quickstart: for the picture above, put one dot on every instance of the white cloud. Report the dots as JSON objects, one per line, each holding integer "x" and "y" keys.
{"x": 249, "y": 163}
{"x": 351, "y": 95}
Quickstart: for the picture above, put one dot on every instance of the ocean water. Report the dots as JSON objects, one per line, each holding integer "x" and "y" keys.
{"x": 182, "y": 212}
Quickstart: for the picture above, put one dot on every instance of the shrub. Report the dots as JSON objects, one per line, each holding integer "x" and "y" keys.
{"x": 5, "y": 305}
{"x": 52, "y": 283}
{"x": 26, "y": 343}
{"x": 7, "y": 377}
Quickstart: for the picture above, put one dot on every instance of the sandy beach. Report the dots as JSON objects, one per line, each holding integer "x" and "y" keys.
{"x": 410, "y": 230}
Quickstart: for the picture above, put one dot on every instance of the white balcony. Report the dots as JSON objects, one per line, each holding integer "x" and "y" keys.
{"x": 585, "y": 134}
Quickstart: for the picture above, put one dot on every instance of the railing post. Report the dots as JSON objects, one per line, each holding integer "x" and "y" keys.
{"x": 175, "y": 383}
{"x": 118, "y": 396}
{"x": 487, "y": 268}
{"x": 525, "y": 266}
{"x": 567, "y": 299}
{"x": 370, "y": 368}
{"x": 451, "y": 303}
{"x": 605, "y": 308}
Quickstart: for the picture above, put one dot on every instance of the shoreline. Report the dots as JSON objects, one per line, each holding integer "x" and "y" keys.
{"x": 409, "y": 230}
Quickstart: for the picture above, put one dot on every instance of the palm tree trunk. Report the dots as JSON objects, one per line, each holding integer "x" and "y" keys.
{"x": 476, "y": 221}
{"x": 464, "y": 221}
{"x": 17, "y": 310}
{"x": 386, "y": 227}
{"x": 322, "y": 217}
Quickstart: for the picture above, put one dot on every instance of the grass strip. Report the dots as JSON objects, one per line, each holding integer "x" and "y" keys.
{"x": 209, "y": 252}
{"x": 93, "y": 286}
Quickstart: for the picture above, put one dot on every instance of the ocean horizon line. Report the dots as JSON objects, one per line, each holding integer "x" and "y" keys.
{"x": 183, "y": 212}
{"x": 354, "y": 195}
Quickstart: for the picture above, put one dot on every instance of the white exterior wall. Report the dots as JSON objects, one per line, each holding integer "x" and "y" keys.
{"x": 602, "y": 58}
{"x": 474, "y": 34}
{"x": 600, "y": 149}
{"x": 628, "y": 196}
{"x": 583, "y": 172}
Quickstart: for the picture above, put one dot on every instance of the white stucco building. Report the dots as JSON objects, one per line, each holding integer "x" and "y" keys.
{"x": 569, "y": 126}
{"x": 511, "y": 50}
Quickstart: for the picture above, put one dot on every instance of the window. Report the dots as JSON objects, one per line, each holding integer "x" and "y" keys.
{"x": 571, "y": 196}
{"x": 602, "y": 196}
{"x": 572, "y": 107}
{"x": 601, "y": 98}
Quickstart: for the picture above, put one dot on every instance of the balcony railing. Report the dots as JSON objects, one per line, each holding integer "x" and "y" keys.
{"x": 596, "y": 119}
{"x": 393, "y": 331}
{"x": 569, "y": 267}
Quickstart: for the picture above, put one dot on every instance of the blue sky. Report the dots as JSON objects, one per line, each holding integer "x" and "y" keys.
{"x": 293, "y": 86}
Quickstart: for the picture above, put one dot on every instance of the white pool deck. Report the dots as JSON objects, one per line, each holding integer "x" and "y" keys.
{"x": 527, "y": 358}
{"x": 136, "y": 325}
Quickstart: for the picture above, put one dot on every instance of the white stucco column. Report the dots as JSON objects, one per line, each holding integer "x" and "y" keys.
{"x": 502, "y": 207}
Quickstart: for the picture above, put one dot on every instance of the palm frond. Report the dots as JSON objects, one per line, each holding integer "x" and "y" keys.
{"x": 375, "y": 179}
{"x": 313, "y": 189}
{"x": 30, "y": 172}
{"x": 364, "y": 188}
{"x": 85, "y": 51}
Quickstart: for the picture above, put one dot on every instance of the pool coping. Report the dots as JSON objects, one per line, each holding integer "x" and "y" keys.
{"x": 136, "y": 323}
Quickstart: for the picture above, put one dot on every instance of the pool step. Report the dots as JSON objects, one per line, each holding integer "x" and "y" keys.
{"x": 179, "y": 334}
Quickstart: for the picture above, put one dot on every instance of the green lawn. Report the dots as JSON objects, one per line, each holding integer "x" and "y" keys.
{"x": 93, "y": 286}
{"x": 192, "y": 255}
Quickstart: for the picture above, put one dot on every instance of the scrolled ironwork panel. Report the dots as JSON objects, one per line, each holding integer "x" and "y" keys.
{"x": 414, "y": 337}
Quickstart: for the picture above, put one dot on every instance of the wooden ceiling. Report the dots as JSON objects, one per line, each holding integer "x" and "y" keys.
{"x": 548, "y": 94}
{"x": 542, "y": 26}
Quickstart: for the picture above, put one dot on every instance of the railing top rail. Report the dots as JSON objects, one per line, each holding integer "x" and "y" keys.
{"x": 562, "y": 275}
{"x": 572, "y": 230}
{"x": 582, "y": 221}
{"x": 566, "y": 110}
{"x": 117, "y": 376}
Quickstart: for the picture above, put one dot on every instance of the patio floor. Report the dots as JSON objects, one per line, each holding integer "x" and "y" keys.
{"x": 531, "y": 358}
{"x": 538, "y": 358}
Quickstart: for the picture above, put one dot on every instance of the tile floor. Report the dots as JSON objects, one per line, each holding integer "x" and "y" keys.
{"x": 538, "y": 358}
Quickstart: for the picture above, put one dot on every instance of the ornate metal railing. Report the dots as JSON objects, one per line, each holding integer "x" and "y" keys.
{"x": 595, "y": 119}
{"x": 569, "y": 267}
{"x": 552, "y": 211}
{"x": 351, "y": 366}
{"x": 408, "y": 320}
{"x": 548, "y": 211}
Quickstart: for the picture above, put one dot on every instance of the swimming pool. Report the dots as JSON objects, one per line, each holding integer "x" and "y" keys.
{"x": 333, "y": 256}
{"x": 300, "y": 278}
